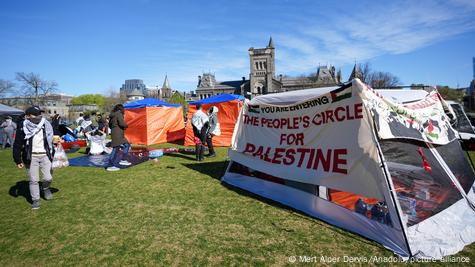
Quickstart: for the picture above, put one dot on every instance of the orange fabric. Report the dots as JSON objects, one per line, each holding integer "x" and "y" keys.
{"x": 227, "y": 117}
{"x": 348, "y": 200}
{"x": 154, "y": 125}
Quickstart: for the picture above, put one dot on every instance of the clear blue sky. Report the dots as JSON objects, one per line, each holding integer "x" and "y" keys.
{"x": 91, "y": 46}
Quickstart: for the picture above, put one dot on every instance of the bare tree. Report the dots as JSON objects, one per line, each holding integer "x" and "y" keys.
{"x": 5, "y": 87}
{"x": 379, "y": 79}
{"x": 365, "y": 72}
{"x": 33, "y": 85}
{"x": 113, "y": 97}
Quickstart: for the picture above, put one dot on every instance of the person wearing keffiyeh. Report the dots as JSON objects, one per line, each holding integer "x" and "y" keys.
{"x": 33, "y": 149}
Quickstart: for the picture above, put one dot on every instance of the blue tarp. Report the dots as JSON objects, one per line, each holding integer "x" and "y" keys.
{"x": 218, "y": 99}
{"x": 148, "y": 102}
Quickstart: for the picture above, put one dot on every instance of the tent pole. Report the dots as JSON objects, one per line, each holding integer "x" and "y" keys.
{"x": 389, "y": 183}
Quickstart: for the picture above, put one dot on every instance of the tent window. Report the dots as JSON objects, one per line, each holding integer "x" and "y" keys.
{"x": 422, "y": 186}
{"x": 454, "y": 157}
{"x": 463, "y": 124}
{"x": 371, "y": 208}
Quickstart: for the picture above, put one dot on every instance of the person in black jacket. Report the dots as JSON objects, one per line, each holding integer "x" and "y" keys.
{"x": 118, "y": 126}
{"x": 55, "y": 123}
{"x": 33, "y": 149}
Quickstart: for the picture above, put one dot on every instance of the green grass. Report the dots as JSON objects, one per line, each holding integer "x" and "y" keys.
{"x": 174, "y": 212}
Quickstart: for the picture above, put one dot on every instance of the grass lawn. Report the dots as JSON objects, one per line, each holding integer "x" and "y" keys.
{"x": 174, "y": 212}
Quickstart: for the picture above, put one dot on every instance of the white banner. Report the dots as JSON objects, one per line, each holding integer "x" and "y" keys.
{"x": 424, "y": 120}
{"x": 325, "y": 140}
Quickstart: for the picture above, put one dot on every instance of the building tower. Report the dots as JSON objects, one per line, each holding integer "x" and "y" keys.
{"x": 166, "y": 90}
{"x": 262, "y": 66}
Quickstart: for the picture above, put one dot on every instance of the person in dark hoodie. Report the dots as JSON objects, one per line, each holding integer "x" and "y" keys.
{"x": 118, "y": 125}
{"x": 55, "y": 121}
{"x": 33, "y": 149}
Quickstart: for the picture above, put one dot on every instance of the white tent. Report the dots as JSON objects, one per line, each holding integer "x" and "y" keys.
{"x": 394, "y": 173}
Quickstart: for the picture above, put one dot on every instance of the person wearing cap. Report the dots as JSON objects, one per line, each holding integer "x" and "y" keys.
{"x": 33, "y": 149}
{"x": 213, "y": 129}
{"x": 200, "y": 123}
{"x": 8, "y": 127}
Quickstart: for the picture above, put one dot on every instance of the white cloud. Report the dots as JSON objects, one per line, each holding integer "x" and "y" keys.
{"x": 372, "y": 30}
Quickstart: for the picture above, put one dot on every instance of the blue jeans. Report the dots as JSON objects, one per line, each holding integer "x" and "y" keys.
{"x": 112, "y": 157}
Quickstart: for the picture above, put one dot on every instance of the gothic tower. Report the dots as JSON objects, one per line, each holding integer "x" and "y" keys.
{"x": 262, "y": 74}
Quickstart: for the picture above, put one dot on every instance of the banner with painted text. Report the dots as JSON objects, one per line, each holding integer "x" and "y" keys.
{"x": 424, "y": 120}
{"x": 325, "y": 140}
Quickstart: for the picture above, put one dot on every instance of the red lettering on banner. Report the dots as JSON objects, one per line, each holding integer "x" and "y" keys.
{"x": 338, "y": 118}
{"x": 251, "y": 120}
{"x": 327, "y": 160}
{"x": 278, "y": 155}
{"x": 292, "y": 139}
{"x": 359, "y": 111}
{"x": 249, "y": 148}
{"x": 289, "y": 156}
{"x": 302, "y": 152}
{"x": 337, "y": 160}
{"x": 321, "y": 158}
{"x": 339, "y": 114}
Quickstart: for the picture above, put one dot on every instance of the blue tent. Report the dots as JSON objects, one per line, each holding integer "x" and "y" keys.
{"x": 218, "y": 99}
{"x": 148, "y": 102}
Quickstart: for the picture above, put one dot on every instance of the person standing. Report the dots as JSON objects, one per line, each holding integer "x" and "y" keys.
{"x": 79, "y": 119}
{"x": 8, "y": 127}
{"x": 55, "y": 120}
{"x": 213, "y": 129}
{"x": 33, "y": 149}
{"x": 200, "y": 123}
{"x": 118, "y": 125}
{"x": 101, "y": 123}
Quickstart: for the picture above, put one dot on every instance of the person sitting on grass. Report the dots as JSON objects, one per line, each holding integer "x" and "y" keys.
{"x": 33, "y": 148}
{"x": 118, "y": 126}
{"x": 200, "y": 124}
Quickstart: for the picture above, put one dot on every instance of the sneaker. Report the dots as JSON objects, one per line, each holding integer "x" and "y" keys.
{"x": 211, "y": 155}
{"x": 113, "y": 169}
{"x": 48, "y": 195}
{"x": 124, "y": 163}
{"x": 35, "y": 205}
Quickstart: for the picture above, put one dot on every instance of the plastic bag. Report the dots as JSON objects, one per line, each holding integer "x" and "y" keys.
{"x": 155, "y": 153}
{"x": 69, "y": 138}
{"x": 217, "y": 130}
{"x": 60, "y": 159}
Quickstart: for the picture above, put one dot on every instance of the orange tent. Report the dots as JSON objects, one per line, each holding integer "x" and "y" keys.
{"x": 154, "y": 122}
{"x": 229, "y": 107}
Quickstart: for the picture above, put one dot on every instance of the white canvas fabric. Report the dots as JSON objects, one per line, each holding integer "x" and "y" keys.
{"x": 329, "y": 138}
{"x": 402, "y": 96}
{"x": 318, "y": 141}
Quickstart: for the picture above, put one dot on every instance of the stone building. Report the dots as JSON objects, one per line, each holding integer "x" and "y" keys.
{"x": 262, "y": 77}
{"x": 51, "y": 104}
{"x": 133, "y": 85}
{"x": 208, "y": 86}
{"x": 135, "y": 89}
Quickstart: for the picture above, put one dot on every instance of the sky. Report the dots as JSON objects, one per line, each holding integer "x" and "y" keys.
{"x": 93, "y": 46}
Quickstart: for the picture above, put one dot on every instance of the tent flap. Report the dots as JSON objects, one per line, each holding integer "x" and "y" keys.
{"x": 154, "y": 125}
{"x": 227, "y": 117}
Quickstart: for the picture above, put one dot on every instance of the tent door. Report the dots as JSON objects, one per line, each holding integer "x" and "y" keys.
{"x": 451, "y": 175}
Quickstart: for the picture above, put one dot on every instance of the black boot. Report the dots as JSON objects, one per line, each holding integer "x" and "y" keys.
{"x": 202, "y": 152}
{"x": 197, "y": 152}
